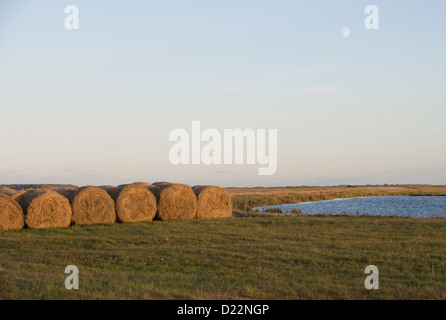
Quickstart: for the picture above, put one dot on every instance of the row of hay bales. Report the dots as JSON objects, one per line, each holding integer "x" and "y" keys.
{"x": 136, "y": 202}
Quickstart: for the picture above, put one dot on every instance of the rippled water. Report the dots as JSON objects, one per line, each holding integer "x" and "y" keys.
{"x": 405, "y": 206}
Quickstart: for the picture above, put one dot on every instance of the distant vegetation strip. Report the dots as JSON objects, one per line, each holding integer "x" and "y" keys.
{"x": 20, "y": 187}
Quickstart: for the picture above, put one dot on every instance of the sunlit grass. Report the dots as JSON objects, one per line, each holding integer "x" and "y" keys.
{"x": 278, "y": 257}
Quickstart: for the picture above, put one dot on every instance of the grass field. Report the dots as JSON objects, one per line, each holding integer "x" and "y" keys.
{"x": 257, "y": 257}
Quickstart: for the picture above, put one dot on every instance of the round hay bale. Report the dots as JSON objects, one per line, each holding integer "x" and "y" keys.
{"x": 67, "y": 193}
{"x": 111, "y": 190}
{"x": 20, "y": 193}
{"x": 107, "y": 186}
{"x": 91, "y": 205}
{"x": 8, "y": 191}
{"x": 212, "y": 202}
{"x": 162, "y": 183}
{"x": 11, "y": 214}
{"x": 134, "y": 202}
{"x": 60, "y": 189}
{"x": 145, "y": 184}
{"x": 45, "y": 208}
{"x": 174, "y": 201}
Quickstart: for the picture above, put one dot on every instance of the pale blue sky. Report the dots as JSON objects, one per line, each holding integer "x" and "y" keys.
{"x": 96, "y": 105}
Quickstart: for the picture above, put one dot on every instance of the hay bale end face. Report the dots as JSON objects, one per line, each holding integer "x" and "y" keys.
{"x": 11, "y": 214}
{"x": 174, "y": 201}
{"x": 91, "y": 205}
{"x": 45, "y": 209}
{"x": 212, "y": 202}
{"x": 134, "y": 203}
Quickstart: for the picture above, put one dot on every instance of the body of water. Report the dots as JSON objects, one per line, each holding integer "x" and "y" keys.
{"x": 404, "y": 206}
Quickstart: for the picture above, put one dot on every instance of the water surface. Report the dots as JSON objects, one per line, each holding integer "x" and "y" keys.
{"x": 404, "y": 206}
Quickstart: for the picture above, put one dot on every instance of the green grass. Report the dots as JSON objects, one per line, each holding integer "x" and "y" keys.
{"x": 277, "y": 257}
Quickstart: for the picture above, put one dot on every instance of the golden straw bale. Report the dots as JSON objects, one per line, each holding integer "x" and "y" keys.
{"x": 174, "y": 201}
{"x": 212, "y": 202}
{"x": 45, "y": 208}
{"x": 8, "y": 192}
{"x": 134, "y": 202}
{"x": 145, "y": 184}
{"x": 11, "y": 214}
{"x": 91, "y": 205}
{"x": 19, "y": 193}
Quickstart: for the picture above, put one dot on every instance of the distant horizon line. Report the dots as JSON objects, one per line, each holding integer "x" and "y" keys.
{"x": 40, "y": 185}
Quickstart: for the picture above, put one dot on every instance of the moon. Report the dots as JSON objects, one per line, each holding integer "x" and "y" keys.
{"x": 345, "y": 32}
